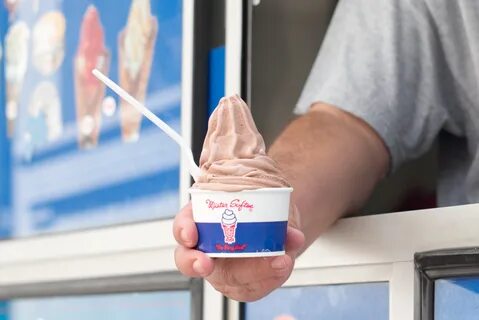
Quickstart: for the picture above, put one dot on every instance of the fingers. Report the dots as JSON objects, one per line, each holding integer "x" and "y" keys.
{"x": 184, "y": 228}
{"x": 193, "y": 263}
{"x": 294, "y": 241}
{"x": 250, "y": 279}
{"x": 241, "y": 271}
{"x": 242, "y": 279}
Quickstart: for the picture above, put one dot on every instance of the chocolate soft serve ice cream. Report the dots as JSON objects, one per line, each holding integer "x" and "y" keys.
{"x": 241, "y": 200}
{"x": 234, "y": 156}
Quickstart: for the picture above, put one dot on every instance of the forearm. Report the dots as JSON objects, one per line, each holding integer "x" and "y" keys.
{"x": 333, "y": 161}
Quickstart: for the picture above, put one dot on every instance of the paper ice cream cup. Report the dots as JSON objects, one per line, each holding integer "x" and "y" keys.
{"x": 249, "y": 223}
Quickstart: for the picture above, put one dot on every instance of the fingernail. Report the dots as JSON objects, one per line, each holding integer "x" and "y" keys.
{"x": 198, "y": 267}
{"x": 184, "y": 236}
{"x": 278, "y": 263}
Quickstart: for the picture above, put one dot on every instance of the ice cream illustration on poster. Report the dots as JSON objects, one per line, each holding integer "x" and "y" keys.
{"x": 136, "y": 44}
{"x": 49, "y": 42}
{"x": 89, "y": 92}
{"x": 16, "y": 63}
{"x": 45, "y": 105}
{"x": 229, "y": 224}
{"x": 11, "y": 5}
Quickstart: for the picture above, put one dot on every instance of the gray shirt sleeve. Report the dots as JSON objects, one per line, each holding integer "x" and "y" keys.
{"x": 382, "y": 62}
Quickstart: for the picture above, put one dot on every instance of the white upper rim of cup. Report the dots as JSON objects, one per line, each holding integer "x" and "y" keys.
{"x": 287, "y": 189}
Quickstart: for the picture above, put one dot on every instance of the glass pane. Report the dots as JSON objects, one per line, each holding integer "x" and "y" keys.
{"x": 456, "y": 299}
{"x": 152, "y": 305}
{"x": 4, "y": 311}
{"x": 333, "y": 302}
{"x": 72, "y": 155}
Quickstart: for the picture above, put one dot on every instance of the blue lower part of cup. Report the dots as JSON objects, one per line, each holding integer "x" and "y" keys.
{"x": 249, "y": 237}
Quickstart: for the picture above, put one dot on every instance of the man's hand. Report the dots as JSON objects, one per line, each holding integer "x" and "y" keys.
{"x": 333, "y": 160}
{"x": 242, "y": 279}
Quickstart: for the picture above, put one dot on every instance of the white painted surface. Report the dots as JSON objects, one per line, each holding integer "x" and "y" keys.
{"x": 212, "y": 303}
{"x": 401, "y": 291}
{"x": 92, "y": 266}
{"x": 394, "y": 237}
{"x": 186, "y": 93}
{"x": 110, "y": 240}
{"x": 364, "y": 249}
{"x": 233, "y": 310}
{"x": 340, "y": 275}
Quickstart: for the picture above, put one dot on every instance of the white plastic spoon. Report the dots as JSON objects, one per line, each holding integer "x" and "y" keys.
{"x": 192, "y": 166}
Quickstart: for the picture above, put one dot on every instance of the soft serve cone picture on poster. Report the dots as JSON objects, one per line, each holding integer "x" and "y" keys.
{"x": 16, "y": 63}
{"x": 136, "y": 46}
{"x": 49, "y": 42}
{"x": 89, "y": 92}
{"x": 45, "y": 107}
{"x": 11, "y": 6}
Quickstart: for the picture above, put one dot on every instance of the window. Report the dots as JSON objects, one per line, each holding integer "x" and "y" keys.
{"x": 346, "y": 301}
{"x": 167, "y": 297}
{"x": 379, "y": 251}
{"x": 152, "y": 305}
{"x": 456, "y": 297}
{"x": 449, "y": 284}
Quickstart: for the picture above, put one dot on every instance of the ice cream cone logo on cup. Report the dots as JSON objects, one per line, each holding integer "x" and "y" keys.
{"x": 228, "y": 224}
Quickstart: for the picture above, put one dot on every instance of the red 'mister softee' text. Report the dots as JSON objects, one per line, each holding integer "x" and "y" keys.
{"x": 238, "y": 204}
{"x": 215, "y": 205}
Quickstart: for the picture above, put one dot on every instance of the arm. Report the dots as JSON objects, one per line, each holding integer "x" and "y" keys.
{"x": 333, "y": 160}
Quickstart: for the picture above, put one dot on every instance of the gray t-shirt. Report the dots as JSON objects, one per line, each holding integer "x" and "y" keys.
{"x": 409, "y": 68}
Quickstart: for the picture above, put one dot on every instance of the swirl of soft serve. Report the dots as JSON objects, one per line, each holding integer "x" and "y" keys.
{"x": 228, "y": 217}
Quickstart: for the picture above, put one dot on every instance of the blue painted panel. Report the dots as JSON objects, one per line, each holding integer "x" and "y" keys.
{"x": 5, "y": 171}
{"x": 216, "y": 73}
{"x": 333, "y": 302}
{"x": 49, "y": 185}
{"x": 456, "y": 299}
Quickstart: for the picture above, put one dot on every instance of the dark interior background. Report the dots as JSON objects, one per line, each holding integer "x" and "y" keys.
{"x": 284, "y": 39}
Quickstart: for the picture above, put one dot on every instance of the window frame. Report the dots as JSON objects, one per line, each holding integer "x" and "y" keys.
{"x": 154, "y": 282}
{"x": 382, "y": 248}
{"x": 440, "y": 264}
